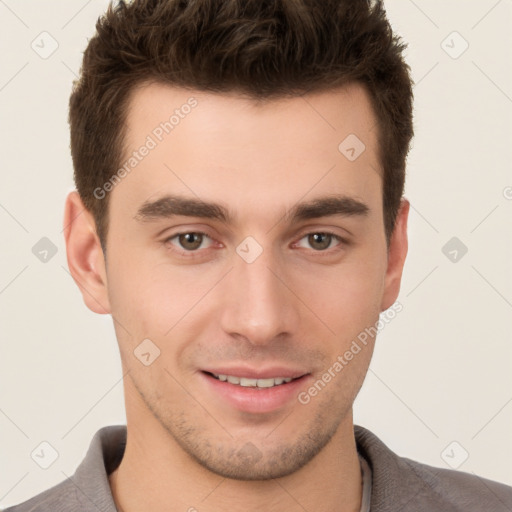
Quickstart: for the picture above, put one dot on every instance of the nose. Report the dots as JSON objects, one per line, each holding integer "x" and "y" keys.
{"x": 257, "y": 302}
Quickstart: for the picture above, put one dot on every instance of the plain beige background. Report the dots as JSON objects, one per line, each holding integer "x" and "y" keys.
{"x": 439, "y": 387}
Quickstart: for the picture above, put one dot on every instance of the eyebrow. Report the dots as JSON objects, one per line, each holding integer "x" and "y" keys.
{"x": 172, "y": 205}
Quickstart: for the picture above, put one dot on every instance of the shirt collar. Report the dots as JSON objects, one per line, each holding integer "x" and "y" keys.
{"x": 91, "y": 477}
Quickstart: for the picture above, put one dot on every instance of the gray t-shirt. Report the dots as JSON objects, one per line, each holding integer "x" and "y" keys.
{"x": 390, "y": 483}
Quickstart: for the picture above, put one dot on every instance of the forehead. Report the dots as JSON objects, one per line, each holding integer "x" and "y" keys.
{"x": 243, "y": 152}
{"x": 155, "y": 108}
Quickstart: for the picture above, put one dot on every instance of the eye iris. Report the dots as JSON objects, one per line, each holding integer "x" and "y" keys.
{"x": 317, "y": 238}
{"x": 191, "y": 241}
{"x": 194, "y": 239}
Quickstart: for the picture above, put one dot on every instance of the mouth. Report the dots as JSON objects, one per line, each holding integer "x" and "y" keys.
{"x": 254, "y": 393}
{"x": 248, "y": 382}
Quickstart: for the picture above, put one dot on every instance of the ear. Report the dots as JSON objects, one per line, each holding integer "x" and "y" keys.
{"x": 84, "y": 254}
{"x": 397, "y": 252}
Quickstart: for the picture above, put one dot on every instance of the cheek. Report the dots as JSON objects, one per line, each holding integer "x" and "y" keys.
{"x": 350, "y": 307}
{"x": 347, "y": 296}
{"x": 362, "y": 288}
{"x": 154, "y": 299}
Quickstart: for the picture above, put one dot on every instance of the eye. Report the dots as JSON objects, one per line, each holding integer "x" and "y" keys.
{"x": 190, "y": 241}
{"x": 320, "y": 241}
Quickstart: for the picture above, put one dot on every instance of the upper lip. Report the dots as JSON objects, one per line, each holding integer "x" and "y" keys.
{"x": 257, "y": 373}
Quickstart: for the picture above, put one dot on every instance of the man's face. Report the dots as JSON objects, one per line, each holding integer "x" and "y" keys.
{"x": 265, "y": 292}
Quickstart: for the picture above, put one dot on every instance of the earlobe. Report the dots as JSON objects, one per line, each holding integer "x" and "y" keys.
{"x": 396, "y": 257}
{"x": 84, "y": 254}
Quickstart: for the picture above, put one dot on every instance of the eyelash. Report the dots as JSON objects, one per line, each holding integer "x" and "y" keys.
{"x": 196, "y": 253}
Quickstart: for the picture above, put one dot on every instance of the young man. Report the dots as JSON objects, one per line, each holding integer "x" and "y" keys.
{"x": 240, "y": 170}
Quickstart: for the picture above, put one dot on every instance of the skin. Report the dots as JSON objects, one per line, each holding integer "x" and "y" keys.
{"x": 296, "y": 305}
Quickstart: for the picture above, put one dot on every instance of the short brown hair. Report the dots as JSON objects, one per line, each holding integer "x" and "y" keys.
{"x": 264, "y": 49}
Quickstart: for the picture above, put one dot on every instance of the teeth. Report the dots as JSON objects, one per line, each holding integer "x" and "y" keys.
{"x": 248, "y": 382}
{"x": 266, "y": 383}
{"x": 251, "y": 383}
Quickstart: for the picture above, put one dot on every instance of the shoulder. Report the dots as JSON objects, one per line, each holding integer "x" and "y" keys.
{"x": 59, "y": 498}
{"x": 457, "y": 489}
{"x": 399, "y": 483}
{"x": 88, "y": 489}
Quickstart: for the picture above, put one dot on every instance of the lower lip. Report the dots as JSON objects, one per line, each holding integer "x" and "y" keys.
{"x": 253, "y": 399}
